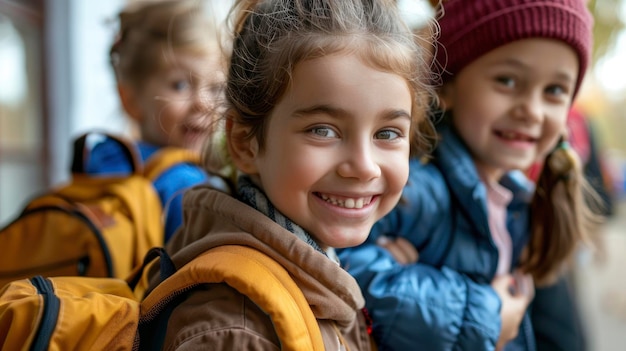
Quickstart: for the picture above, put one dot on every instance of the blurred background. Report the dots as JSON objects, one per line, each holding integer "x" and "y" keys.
{"x": 56, "y": 83}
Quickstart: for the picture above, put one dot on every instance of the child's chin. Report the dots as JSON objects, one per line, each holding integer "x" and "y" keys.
{"x": 349, "y": 242}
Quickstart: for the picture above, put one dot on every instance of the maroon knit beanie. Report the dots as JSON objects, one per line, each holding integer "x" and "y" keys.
{"x": 471, "y": 28}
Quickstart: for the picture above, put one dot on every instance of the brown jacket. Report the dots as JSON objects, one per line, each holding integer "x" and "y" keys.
{"x": 220, "y": 318}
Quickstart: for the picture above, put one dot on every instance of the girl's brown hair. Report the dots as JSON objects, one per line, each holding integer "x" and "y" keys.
{"x": 272, "y": 36}
{"x": 562, "y": 215}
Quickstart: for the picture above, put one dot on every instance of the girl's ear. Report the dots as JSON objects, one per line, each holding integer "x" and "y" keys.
{"x": 243, "y": 149}
{"x": 130, "y": 101}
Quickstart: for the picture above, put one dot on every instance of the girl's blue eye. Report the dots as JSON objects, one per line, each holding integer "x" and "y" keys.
{"x": 324, "y": 132}
{"x": 387, "y": 134}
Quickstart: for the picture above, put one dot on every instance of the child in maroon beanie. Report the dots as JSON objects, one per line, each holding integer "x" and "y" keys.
{"x": 485, "y": 234}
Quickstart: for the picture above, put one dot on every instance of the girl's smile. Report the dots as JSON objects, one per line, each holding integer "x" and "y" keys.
{"x": 515, "y": 139}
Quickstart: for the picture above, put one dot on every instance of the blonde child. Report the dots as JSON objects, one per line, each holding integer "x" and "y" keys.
{"x": 485, "y": 236}
{"x": 325, "y": 104}
{"x": 169, "y": 68}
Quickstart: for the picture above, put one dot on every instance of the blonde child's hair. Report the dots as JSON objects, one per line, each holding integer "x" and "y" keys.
{"x": 151, "y": 33}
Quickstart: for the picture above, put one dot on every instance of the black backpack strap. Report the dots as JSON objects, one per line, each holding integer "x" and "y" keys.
{"x": 81, "y": 152}
{"x": 166, "y": 265}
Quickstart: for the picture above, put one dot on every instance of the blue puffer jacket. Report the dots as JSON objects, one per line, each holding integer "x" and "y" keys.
{"x": 108, "y": 158}
{"x": 445, "y": 301}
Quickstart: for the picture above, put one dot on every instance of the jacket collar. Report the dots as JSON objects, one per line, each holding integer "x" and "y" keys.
{"x": 213, "y": 218}
{"x": 453, "y": 158}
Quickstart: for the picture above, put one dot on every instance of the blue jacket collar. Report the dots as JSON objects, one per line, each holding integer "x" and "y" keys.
{"x": 454, "y": 160}
{"x": 456, "y": 164}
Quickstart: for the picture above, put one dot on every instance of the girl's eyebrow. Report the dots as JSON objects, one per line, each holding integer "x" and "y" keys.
{"x": 560, "y": 74}
{"x": 338, "y": 112}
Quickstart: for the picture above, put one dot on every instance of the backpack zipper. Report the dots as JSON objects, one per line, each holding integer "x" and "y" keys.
{"x": 108, "y": 262}
{"x": 81, "y": 264}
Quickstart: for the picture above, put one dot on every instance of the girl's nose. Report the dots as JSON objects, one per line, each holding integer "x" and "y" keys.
{"x": 359, "y": 162}
{"x": 529, "y": 108}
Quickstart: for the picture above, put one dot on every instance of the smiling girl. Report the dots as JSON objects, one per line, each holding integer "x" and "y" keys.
{"x": 325, "y": 104}
{"x": 485, "y": 235}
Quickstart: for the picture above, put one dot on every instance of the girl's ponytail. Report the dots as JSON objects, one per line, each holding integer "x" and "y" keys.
{"x": 561, "y": 215}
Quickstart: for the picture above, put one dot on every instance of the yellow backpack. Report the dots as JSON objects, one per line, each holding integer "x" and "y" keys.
{"x": 78, "y": 313}
{"x": 95, "y": 226}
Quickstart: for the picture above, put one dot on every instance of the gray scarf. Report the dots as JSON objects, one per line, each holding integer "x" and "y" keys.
{"x": 255, "y": 197}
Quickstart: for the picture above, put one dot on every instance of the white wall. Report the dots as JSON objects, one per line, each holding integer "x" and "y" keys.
{"x": 81, "y": 86}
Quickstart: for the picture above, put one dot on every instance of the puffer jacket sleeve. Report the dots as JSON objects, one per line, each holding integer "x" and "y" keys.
{"x": 420, "y": 307}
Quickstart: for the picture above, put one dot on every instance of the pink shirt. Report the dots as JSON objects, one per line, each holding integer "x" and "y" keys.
{"x": 498, "y": 198}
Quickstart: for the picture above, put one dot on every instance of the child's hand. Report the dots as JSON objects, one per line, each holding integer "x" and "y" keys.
{"x": 401, "y": 249}
{"x": 516, "y": 292}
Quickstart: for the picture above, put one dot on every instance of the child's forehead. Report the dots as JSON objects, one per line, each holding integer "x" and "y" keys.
{"x": 199, "y": 62}
{"x": 378, "y": 53}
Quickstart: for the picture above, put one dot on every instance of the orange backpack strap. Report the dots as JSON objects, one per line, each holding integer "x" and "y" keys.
{"x": 255, "y": 275}
{"x": 165, "y": 158}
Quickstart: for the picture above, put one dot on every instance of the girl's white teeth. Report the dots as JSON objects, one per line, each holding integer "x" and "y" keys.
{"x": 514, "y": 136}
{"x": 347, "y": 203}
